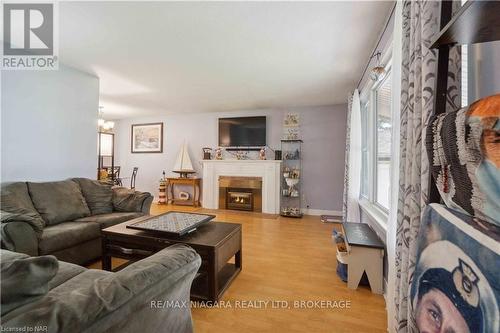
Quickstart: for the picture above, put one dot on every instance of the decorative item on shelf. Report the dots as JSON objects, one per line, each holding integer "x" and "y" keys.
{"x": 162, "y": 191}
{"x": 183, "y": 165}
{"x": 242, "y": 155}
{"x": 262, "y": 153}
{"x": 291, "y": 211}
{"x": 277, "y": 155}
{"x": 292, "y": 187}
{"x": 295, "y": 173}
{"x": 292, "y": 155}
{"x": 218, "y": 153}
{"x": 292, "y": 134}
{"x": 207, "y": 153}
{"x": 291, "y": 120}
{"x": 183, "y": 195}
{"x": 291, "y": 127}
{"x": 286, "y": 172}
{"x": 147, "y": 138}
{"x": 378, "y": 72}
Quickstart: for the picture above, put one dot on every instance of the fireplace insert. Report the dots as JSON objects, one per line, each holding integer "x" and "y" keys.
{"x": 239, "y": 199}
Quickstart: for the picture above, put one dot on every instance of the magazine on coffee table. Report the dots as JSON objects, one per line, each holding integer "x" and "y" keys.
{"x": 172, "y": 223}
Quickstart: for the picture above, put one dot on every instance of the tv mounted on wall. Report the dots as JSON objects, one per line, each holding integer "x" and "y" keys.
{"x": 242, "y": 132}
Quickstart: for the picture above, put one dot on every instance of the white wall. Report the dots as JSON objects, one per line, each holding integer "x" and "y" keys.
{"x": 323, "y": 131}
{"x": 48, "y": 123}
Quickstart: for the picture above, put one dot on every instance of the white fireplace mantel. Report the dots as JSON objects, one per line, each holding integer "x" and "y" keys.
{"x": 268, "y": 170}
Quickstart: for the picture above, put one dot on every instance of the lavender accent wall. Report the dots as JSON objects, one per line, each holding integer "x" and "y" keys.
{"x": 323, "y": 132}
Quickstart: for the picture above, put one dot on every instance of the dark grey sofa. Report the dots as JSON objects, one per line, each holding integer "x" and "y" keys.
{"x": 42, "y": 292}
{"x": 65, "y": 218}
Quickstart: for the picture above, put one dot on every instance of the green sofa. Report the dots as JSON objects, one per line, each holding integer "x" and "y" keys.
{"x": 47, "y": 295}
{"x": 65, "y": 218}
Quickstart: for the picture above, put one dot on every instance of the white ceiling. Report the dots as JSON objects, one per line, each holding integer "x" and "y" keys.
{"x": 171, "y": 57}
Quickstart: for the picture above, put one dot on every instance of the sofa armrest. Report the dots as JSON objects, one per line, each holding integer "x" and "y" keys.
{"x": 19, "y": 237}
{"x": 127, "y": 200}
{"x": 98, "y": 301}
{"x": 146, "y": 205}
{"x": 169, "y": 264}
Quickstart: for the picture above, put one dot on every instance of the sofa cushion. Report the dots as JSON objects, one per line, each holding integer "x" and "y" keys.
{"x": 99, "y": 197}
{"x": 107, "y": 220}
{"x": 15, "y": 200}
{"x": 126, "y": 200}
{"x": 25, "y": 279}
{"x": 58, "y": 201}
{"x": 67, "y": 234}
{"x": 6, "y": 255}
{"x": 66, "y": 271}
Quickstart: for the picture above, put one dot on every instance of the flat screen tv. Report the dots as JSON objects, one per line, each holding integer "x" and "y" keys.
{"x": 242, "y": 132}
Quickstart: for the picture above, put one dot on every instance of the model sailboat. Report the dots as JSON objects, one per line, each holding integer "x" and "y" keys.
{"x": 183, "y": 165}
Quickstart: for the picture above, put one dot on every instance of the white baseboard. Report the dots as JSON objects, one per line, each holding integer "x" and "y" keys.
{"x": 309, "y": 211}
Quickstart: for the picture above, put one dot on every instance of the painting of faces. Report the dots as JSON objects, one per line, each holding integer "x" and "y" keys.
{"x": 455, "y": 285}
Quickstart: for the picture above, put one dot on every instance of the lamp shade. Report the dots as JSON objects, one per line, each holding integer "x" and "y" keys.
{"x": 106, "y": 148}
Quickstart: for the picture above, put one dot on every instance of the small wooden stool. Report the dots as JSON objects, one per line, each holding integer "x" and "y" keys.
{"x": 365, "y": 253}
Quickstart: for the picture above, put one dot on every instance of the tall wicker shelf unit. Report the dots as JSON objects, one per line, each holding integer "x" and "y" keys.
{"x": 291, "y": 178}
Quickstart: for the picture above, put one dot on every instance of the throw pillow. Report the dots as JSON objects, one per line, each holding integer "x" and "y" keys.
{"x": 99, "y": 197}
{"x": 125, "y": 200}
{"x": 26, "y": 279}
{"x": 465, "y": 160}
{"x": 58, "y": 201}
{"x": 15, "y": 199}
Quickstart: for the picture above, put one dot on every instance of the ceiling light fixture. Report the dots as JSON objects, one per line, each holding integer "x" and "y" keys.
{"x": 103, "y": 124}
{"x": 100, "y": 119}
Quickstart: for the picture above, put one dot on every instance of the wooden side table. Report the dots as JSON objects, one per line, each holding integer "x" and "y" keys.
{"x": 194, "y": 182}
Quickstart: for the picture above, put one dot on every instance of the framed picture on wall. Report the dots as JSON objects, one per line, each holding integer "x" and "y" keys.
{"x": 147, "y": 138}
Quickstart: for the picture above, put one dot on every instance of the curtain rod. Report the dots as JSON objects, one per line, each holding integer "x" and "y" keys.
{"x": 375, "y": 49}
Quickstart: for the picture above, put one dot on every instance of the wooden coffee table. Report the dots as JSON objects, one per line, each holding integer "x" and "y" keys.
{"x": 216, "y": 243}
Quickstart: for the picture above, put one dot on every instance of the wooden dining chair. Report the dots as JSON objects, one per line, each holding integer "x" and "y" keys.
{"x": 115, "y": 171}
{"x": 132, "y": 179}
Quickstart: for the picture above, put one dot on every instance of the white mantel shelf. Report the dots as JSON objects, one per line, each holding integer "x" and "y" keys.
{"x": 268, "y": 170}
{"x": 241, "y": 161}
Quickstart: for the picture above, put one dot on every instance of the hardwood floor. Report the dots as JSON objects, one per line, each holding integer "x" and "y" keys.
{"x": 289, "y": 260}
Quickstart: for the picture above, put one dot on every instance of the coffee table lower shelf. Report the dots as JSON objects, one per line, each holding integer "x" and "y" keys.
{"x": 224, "y": 279}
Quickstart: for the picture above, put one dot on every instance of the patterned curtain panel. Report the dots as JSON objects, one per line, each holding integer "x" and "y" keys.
{"x": 418, "y": 79}
{"x": 346, "y": 167}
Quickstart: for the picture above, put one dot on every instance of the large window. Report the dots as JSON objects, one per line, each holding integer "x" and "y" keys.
{"x": 376, "y": 126}
{"x": 364, "y": 149}
{"x": 383, "y": 140}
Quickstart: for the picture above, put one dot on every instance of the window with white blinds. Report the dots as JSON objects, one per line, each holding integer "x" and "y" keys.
{"x": 383, "y": 134}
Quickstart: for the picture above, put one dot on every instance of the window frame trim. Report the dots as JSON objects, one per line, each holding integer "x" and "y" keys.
{"x": 368, "y": 204}
{"x": 374, "y": 137}
{"x": 365, "y": 108}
